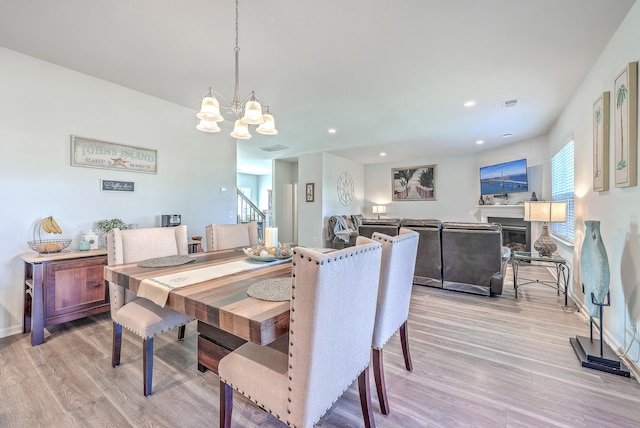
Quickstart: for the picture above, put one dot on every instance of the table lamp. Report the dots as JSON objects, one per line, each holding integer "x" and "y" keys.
{"x": 545, "y": 212}
{"x": 379, "y": 209}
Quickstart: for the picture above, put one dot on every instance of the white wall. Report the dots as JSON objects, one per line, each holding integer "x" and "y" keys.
{"x": 457, "y": 183}
{"x": 332, "y": 168}
{"x": 285, "y": 175}
{"x": 310, "y": 213}
{"x": 40, "y": 107}
{"x": 618, "y": 208}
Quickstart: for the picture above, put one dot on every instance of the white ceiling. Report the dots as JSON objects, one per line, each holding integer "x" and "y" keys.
{"x": 389, "y": 76}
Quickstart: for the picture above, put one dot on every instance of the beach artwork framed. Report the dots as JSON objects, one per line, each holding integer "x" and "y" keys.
{"x": 417, "y": 183}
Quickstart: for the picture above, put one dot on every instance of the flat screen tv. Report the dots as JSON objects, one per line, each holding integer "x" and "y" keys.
{"x": 507, "y": 177}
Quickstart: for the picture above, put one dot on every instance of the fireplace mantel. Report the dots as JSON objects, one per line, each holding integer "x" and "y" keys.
{"x": 511, "y": 211}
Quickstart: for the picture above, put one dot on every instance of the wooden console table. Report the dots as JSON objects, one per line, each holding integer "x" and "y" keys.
{"x": 62, "y": 287}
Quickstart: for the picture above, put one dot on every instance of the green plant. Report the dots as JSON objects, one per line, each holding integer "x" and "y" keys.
{"x": 104, "y": 226}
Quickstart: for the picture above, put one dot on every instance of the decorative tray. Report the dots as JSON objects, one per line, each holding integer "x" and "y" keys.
{"x": 261, "y": 253}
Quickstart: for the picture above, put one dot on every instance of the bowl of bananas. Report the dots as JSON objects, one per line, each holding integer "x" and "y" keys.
{"x": 47, "y": 246}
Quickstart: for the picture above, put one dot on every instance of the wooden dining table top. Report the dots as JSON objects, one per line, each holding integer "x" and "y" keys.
{"x": 221, "y": 302}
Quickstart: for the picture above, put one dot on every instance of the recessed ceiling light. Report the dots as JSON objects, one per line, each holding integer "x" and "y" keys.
{"x": 480, "y": 142}
{"x": 383, "y": 154}
{"x": 470, "y": 103}
{"x": 332, "y": 131}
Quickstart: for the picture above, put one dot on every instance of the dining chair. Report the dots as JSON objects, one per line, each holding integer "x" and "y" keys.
{"x": 394, "y": 295}
{"x": 139, "y": 315}
{"x": 224, "y": 236}
{"x": 333, "y": 305}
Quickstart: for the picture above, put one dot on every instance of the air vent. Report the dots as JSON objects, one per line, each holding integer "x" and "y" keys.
{"x": 274, "y": 148}
{"x": 509, "y": 103}
{"x": 507, "y": 135}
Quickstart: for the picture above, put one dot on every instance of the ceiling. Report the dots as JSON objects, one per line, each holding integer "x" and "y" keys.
{"x": 389, "y": 76}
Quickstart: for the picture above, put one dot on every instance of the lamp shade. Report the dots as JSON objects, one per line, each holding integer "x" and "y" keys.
{"x": 545, "y": 211}
{"x": 241, "y": 131}
{"x": 253, "y": 113}
{"x": 379, "y": 209}
{"x": 268, "y": 127}
{"x": 208, "y": 126}
{"x": 210, "y": 110}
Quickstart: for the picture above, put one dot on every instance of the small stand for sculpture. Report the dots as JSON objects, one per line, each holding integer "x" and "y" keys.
{"x": 597, "y": 356}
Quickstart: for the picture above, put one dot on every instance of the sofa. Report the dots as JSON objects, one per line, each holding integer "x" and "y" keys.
{"x": 342, "y": 230}
{"x": 388, "y": 226}
{"x": 466, "y": 257}
{"x": 473, "y": 258}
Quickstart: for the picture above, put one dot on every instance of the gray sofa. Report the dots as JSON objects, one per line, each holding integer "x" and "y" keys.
{"x": 388, "y": 226}
{"x": 466, "y": 257}
{"x": 473, "y": 258}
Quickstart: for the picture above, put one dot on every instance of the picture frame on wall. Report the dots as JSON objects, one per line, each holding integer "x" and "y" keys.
{"x": 416, "y": 183}
{"x": 310, "y": 192}
{"x": 625, "y": 124}
{"x": 601, "y": 143}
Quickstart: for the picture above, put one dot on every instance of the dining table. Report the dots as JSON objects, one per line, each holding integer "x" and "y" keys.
{"x": 227, "y": 316}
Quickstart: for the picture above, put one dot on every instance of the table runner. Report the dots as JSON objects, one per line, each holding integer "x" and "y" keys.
{"x": 157, "y": 289}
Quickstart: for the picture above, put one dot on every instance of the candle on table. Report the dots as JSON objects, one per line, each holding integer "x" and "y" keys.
{"x": 271, "y": 237}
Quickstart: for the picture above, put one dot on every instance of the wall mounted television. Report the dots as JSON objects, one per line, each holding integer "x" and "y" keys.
{"x": 507, "y": 177}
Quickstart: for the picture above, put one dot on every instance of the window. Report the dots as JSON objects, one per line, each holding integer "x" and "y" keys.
{"x": 562, "y": 189}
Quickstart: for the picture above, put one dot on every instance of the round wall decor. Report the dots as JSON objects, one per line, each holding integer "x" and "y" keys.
{"x": 345, "y": 188}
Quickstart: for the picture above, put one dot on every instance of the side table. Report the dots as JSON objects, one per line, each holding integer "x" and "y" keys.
{"x": 562, "y": 271}
{"x": 61, "y": 287}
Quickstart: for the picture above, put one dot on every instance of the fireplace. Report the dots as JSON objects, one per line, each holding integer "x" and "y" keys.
{"x": 516, "y": 233}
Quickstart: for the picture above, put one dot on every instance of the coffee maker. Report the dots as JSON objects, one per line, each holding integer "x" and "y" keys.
{"x": 171, "y": 220}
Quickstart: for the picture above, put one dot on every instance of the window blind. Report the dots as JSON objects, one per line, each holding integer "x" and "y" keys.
{"x": 562, "y": 167}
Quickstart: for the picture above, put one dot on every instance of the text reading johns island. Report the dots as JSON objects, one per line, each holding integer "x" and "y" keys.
{"x": 100, "y": 154}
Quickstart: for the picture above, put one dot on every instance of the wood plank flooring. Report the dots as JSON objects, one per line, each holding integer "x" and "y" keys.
{"x": 478, "y": 361}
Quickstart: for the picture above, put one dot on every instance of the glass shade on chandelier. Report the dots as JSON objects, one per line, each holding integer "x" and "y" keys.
{"x": 241, "y": 130}
{"x": 268, "y": 127}
{"x": 247, "y": 112}
{"x": 545, "y": 212}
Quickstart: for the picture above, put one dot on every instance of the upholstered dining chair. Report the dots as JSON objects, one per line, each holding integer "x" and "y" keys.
{"x": 223, "y": 236}
{"x": 394, "y": 295}
{"x": 142, "y": 316}
{"x": 333, "y": 305}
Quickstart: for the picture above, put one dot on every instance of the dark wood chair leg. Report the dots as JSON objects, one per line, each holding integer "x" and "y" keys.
{"x": 226, "y": 405}
{"x": 404, "y": 340}
{"x": 147, "y": 365}
{"x": 365, "y": 399}
{"x": 116, "y": 345}
{"x": 378, "y": 376}
{"x": 181, "y": 330}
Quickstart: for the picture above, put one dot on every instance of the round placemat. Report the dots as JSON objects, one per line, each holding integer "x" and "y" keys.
{"x": 273, "y": 290}
{"x": 166, "y": 261}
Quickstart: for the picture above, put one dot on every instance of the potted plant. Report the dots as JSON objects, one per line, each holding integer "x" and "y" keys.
{"x": 105, "y": 226}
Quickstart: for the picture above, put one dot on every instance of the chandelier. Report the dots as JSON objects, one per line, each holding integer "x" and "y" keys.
{"x": 248, "y": 112}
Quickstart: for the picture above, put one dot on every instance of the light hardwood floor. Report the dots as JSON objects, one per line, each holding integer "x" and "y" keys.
{"x": 478, "y": 361}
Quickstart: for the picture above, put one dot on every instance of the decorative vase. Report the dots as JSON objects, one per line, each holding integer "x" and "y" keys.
{"x": 545, "y": 245}
{"x": 594, "y": 267}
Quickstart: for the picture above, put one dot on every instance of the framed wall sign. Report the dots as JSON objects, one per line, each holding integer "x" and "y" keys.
{"x": 117, "y": 186}
{"x": 310, "y": 192}
{"x": 91, "y": 153}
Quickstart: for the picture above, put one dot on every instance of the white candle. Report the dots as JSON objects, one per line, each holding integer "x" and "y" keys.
{"x": 271, "y": 237}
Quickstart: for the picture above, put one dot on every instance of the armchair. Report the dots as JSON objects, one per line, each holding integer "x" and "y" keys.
{"x": 333, "y": 307}
{"x": 142, "y": 316}
{"x": 223, "y": 236}
{"x": 394, "y": 295}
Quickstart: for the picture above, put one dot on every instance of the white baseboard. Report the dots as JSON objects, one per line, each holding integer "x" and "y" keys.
{"x": 10, "y": 331}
